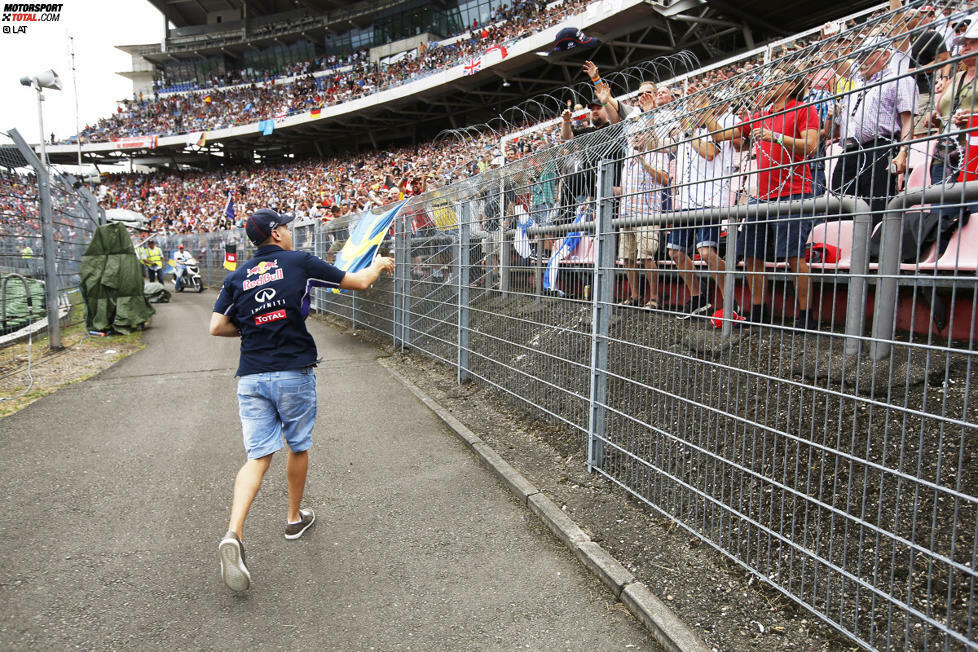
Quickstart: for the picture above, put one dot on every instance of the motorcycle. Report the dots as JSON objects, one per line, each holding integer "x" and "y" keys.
{"x": 190, "y": 278}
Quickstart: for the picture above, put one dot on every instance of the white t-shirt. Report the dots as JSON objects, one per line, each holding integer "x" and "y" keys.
{"x": 640, "y": 194}
{"x": 701, "y": 182}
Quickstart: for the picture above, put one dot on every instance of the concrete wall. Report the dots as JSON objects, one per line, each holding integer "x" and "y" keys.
{"x": 381, "y": 51}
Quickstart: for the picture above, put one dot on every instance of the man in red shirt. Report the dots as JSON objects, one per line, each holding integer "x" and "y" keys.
{"x": 785, "y": 134}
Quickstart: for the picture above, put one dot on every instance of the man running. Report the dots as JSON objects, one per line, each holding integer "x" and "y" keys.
{"x": 265, "y": 302}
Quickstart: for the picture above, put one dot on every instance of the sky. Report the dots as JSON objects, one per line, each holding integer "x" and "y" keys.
{"x": 97, "y": 27}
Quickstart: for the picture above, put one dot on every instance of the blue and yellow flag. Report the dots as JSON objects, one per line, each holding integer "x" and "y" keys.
{"x": 360, "y": 249}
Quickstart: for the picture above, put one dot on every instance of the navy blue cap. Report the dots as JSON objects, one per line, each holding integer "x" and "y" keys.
{"x": 571, "y": 37}
{"x": 262, "y": 222}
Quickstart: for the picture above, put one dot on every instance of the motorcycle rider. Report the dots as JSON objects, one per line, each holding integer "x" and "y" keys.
{"x": 180, "y": 260}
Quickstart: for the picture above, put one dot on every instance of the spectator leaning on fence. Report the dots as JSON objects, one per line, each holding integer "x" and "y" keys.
{"x": 957, "y": 101}
{"x": 703, "y": 169}
{"x": 645, "y": 173}
{"x": 784, "y": 135}
{"x": 872, "y": 122}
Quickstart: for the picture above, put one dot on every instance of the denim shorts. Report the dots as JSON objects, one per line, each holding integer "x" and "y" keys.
{"x": 786, "y": 236}
{"x": 707, "y": 235}
{"x": 277, "y": 404}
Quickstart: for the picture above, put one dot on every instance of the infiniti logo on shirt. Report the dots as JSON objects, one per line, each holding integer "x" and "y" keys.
{"x": 265, "y": 295}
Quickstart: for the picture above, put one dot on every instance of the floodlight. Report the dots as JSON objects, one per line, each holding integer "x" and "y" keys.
{"x": 49, "y": 79}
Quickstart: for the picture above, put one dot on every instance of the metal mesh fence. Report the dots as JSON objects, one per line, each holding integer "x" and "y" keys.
{"x": 39, "y": 274}
{"x": 755, "y": 304}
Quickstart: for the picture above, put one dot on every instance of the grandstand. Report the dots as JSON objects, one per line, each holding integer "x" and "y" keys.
{"x": 298, "y": 52}
{"x": 801, "y": 406}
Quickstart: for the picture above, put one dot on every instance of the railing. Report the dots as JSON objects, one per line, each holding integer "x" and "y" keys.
{"x": 814, "y": 425}
{"x": 46, "y": 222}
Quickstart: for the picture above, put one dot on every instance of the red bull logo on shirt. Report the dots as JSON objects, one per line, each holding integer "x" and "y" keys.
{"x": 263, "y": 267}
{"x": 265, "y": 274}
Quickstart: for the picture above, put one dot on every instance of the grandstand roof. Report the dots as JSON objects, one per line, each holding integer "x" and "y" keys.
{"x": 417, "y": 111}
{"x": 189, "y": 13}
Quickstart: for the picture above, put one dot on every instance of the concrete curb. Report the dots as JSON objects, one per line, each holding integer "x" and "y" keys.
{"x": 660, "y": 620}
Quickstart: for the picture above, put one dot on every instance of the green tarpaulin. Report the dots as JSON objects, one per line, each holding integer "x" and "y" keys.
{"x": 112, "y": 283}
{"x": 14, "y": 312}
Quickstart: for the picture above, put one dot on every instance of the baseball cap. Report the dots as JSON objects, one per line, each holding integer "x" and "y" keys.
{"x": 262, "y": 222}
{"x": 180, "y": 246}
{"x": 971, "y": 32}
{"x": 594, "y": 104}
{"x": 570, "y": 37}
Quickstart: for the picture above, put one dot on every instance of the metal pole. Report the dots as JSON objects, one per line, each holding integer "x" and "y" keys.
{"x": 729, "y": 282}
{"x": 401, "y": 262}
{"x": 538, "y": 271}
{"x": 889, "y": 265}
{"x": 503, "y": 254}
{"x": 463, "y": 293}
{"x": 74, "y": 83}
{"x": 858, "y": 270}
{"x": 602, "y": 299}
{"x": 406, "y": 294}
{"x": 40, "y": 121}
{"x": 47, "y": 237}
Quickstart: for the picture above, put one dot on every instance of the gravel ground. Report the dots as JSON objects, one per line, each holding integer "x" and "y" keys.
{"x": 783, "y": 430}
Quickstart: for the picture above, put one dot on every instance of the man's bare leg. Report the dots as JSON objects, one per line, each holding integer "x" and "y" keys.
{"x": 295, "y": 470}
{"x": 246, "y": 486}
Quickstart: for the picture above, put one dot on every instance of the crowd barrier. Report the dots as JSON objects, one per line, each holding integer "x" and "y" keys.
{"x": 814, "y": 423}
{"x": 46, "y": 222}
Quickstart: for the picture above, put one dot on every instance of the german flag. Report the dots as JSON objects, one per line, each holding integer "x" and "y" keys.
{"x": 207, "y": 99}
{"x": 315, "y": 113}
{"x": 202, "y": 140}
{"x": 230, "y": 257}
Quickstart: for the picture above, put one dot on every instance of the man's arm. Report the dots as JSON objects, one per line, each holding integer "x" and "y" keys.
{"x": 222, "y": 326}
{"x": 366, "y": 277}
{"x": 566, "y": 133}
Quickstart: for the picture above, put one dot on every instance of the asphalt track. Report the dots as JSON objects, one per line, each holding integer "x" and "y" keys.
{"x": 116, "y": 491}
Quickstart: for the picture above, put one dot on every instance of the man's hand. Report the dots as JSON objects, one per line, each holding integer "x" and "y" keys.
{"x": 591, "y": 69}
{"x": 646, "y": 101}
{"x": 602, "y": 92}
{"x": 900, "y": 162}
{"x": 961, "y": 119}
{"x": 384, "y": 264}
{"x": 759, "y": 134}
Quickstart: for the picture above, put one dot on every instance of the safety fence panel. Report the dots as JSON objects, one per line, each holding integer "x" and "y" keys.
{"x": 47, "y": 219}
{"x": 755, "y": 306}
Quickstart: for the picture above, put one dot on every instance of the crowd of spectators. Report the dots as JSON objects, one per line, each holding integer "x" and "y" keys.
{"x": 262, "y": 97}
{"x": 195, "y": 202}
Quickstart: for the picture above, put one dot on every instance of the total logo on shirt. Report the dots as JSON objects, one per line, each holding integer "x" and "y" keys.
{"x": 269, "y": 317}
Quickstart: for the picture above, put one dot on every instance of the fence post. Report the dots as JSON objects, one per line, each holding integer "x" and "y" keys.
{"x": 503, "y": 259}
{"x": 47, "y": 239}
{"x": 858, "y": 270}
{"x": 538, "y": 270}
{"x": 463, "y": 292}
{"x": 505, "y": 255}
{"x": 729, "y": 281}
{"x": 400, "y": 263}
{"x": 406, "y": 289}
{"x": 602, "y": 300}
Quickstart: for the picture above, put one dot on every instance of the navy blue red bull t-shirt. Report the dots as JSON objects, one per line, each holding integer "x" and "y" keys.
{"x": 267, "y": 298}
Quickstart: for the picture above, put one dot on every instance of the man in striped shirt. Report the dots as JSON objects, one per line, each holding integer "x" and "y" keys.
{"x": 872, "y": 122}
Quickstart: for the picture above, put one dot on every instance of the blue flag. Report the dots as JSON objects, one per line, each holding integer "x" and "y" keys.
{"x": 364, "y": 241}
{"x": 229, "y": 208}
{"x": 266, "y": 127}
{"x": 563, "y": 250}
